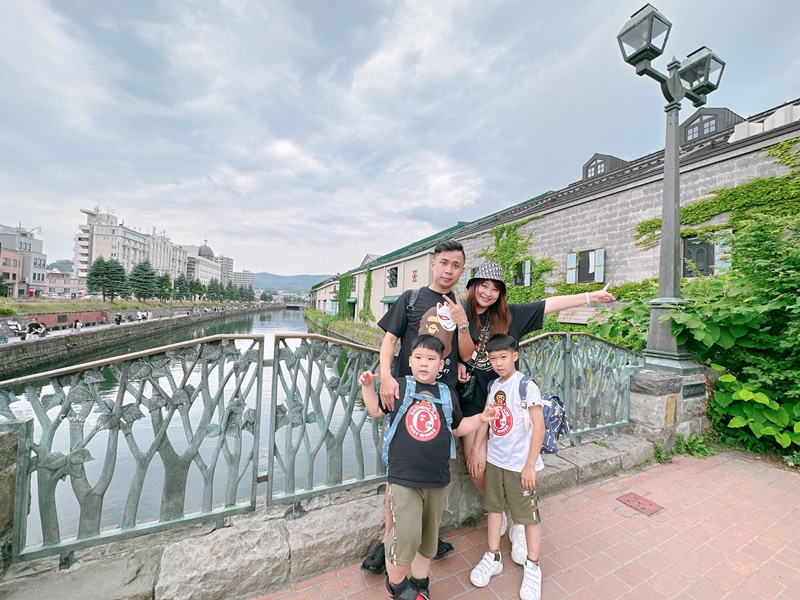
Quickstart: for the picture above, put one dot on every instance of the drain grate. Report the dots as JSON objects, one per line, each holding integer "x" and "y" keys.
{"x": 643, "y": 505}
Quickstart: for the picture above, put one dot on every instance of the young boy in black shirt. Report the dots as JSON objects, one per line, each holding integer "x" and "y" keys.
{"x": 420, "y": 445}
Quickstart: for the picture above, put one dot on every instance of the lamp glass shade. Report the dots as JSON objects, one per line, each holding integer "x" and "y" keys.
{"x": 701, "y": 71}
{"x": 644, "y": 36}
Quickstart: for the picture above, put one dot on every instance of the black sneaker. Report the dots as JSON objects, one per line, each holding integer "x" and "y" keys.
{"x": 375, "y": 562}
{"x": 404, "y": 591}
{"x": 443, "y": 550}
{"x": 421, "y": 585}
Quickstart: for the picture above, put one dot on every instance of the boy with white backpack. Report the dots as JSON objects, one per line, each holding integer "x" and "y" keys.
{"x": 513, "y": 458}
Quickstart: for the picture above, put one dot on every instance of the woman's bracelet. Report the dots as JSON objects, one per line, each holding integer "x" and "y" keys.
{"x": 588, "y": 300}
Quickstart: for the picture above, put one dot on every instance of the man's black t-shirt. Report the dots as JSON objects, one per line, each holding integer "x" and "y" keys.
{"x": 420, "y": 449}
{"x": 430, "y": 315}
{"x": 525, "y": 318}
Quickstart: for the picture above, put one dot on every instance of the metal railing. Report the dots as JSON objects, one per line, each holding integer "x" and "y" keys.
{"x": 590, "y": 375}
{"x": 320, "y": 437}
{"x": 197, "y": 405}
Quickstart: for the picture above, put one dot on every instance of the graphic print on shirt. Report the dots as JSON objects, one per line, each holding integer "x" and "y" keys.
{"x": 422, "y": 420}
{"x": 438, "y": 322}
{"x": 505, "y": 420}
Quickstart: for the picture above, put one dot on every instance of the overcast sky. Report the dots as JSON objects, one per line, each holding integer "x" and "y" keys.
{"x": 299, "y": 135}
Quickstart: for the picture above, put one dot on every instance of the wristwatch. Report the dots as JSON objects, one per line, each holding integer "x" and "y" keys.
{"x": 463, "y": 328}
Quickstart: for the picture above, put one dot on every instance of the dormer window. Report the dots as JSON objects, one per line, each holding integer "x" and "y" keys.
{"x": 702, "y": 125}
{"x": 596, "y": 167}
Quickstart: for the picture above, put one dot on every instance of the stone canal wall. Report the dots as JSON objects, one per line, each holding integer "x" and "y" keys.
{"x": 33, "y": 356}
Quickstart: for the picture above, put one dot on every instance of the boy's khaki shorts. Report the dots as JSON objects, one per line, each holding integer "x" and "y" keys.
{"x": 505, "y": 487}
{"x": 416, "y": 514}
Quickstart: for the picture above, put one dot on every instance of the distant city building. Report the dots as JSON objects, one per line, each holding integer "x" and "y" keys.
{"x": 103, "y": 235}
{"x": 200, "y": 264}
{"x": 165, "y": 256}
{"x": 244, "y": 279}
{"x": 62, "y": 285}
{"x": 226, "y": 268}
{"x": 18, "y": 245}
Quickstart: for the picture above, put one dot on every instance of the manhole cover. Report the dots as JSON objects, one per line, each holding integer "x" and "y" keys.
{"x": 643, "y": 505}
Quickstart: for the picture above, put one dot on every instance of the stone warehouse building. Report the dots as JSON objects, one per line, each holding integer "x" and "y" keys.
{"x": 588, "y": 228}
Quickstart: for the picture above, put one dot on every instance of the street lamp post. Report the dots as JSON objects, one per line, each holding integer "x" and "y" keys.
{"x": 642, "y": 39}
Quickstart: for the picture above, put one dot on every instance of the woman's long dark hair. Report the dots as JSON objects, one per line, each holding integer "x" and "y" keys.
{"x": 498, "y": 314}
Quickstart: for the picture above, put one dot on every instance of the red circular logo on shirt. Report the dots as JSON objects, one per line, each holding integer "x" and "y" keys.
{"x": 422, "y": 421}
{"x": 504, "y": 421}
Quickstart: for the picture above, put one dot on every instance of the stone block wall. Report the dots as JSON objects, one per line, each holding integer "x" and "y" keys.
{"x": 608, "y": 219}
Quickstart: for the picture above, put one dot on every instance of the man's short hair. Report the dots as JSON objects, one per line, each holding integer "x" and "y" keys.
{"x": 449, "y": 246}
{"x": 429, "y": 342}
{"x": 501, "y": 341}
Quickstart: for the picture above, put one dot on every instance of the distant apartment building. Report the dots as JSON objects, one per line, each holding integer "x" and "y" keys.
{"x": 165, "y": 256}
{"x": 63, "y": 285}
{"x": 104, "y": 235}
{"x": 244, "y": 279}
{"x": 18, "y": 245}
{"x": 226, "y": 268}
{"x": 200, "y": 264}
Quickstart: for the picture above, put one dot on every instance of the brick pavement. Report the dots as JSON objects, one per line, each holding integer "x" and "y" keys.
{"x": 730, "y": 528}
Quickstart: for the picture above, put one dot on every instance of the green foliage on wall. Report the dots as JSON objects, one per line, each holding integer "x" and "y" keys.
{"x": 512, "y": 248}
{"x": 365, "y": 314}
{"x": 346, "y": 310}
{"x": 779, "y": 196}
{"x": 747, "y": 321}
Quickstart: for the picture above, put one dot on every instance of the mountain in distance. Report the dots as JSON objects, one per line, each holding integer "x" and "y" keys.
{"x": 296, "y": 284}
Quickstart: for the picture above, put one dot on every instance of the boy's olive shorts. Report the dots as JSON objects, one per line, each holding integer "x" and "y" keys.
{"x": 416, "y": 514}
{"x": 503, "y": 488}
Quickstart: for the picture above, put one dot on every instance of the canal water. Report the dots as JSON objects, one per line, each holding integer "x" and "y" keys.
{"x": 266, "y": 323}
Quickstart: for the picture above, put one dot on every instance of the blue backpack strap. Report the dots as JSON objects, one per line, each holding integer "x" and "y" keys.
{"x": 523, "y": 389}
{"x": 391, "y": 427}
{"x": 446, "y": 400}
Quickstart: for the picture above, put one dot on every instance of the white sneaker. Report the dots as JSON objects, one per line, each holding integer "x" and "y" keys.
{"x": 531, "y": 588}
{"x": 519, "y": 545}
{"x": 504, "y": 526}
{"x": 485, "y": 569}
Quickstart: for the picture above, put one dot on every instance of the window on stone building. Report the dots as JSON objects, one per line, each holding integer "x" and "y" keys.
{"x": 701, "y": 126}
{"x": 6, "y": 262}
{"x": 522, "y": 275}
{"x": 587, "y": 266}
{"x": 698, "y": 257}
{"x": 596, "y": 167}
{"x": 392, "y": 277}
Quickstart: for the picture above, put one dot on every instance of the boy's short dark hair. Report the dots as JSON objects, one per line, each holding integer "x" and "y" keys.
{"x": 501, "y": 341}
{"x": 429, "y": 342}
{"x": 449, "y": 246}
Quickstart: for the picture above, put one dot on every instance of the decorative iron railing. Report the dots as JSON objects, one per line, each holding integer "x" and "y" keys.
{"x": 195, "y": 405}
{"x": 591, "y": 376}
{"x": 321, "y": 439}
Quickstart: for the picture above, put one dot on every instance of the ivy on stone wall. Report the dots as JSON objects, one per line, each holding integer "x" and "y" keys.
{"x": 365, "y": 314}
{"x": 777, "y": 196}
{"x": 512, "y": 248}
{"x": 346, "y": 310}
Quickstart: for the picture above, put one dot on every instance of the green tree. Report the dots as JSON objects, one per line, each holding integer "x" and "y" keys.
{"x": 164, "y": 287}
{"x": 181, "y": 287}
{"x": 214, "y": 290}
{"x": 4, "y": 288}
{"x": 96, "y": 277}
{"x": 230, "y": 291}
{"x": 196, "y": 289}
{"x": 116, "y": 281}
{"x": 142, "y": 280}
{"x": 265, "y": 297}
{"x": 63, "y": 265}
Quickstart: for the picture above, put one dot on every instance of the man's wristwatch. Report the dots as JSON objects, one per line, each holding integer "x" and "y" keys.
{"x": 463, "y": 328}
